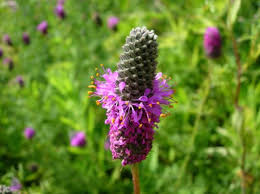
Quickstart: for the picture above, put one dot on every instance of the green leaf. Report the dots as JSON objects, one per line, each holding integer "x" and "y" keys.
{"x": 233, "y": 11}
{"x": 154, "y": 157}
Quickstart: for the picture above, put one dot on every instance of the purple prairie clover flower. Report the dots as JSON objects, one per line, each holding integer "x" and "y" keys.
{"x": 16, "y": 185}
{"x": 20, "y": 81}
{"x": 112, "y": 22}
{"x": 1, "y": 52}
{"x": 7, "y": 40}
{"x": 26, "y": 38}
{"x": 133, "y": 97}
{"x": 43, "y": 27}
{"x": 78, "y": 139}
{"x": 9, "y": 62}
{"x": 29, "y": 133}
{"x": 59, "y": 10}
{"x": 212, "y": 42}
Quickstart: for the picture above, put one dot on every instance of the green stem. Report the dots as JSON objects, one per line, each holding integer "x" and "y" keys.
{"x": 135, "y": 175}
{"x": 240, "y": 110}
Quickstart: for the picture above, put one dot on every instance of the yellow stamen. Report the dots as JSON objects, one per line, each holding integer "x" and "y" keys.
{"x": 121, "y": 118}
{"x": 140, "y": 125}
{"x": 106, "y": 97}
{"x": 126, "y": 103}
{"x": 122, "y": 123}
{"x": 92, "y": 77}
{"x": 149, "y": 120}
{"x": 90, "y": 92}
{"x": 151, "y": 105}
{"x": 139, "y": 107}
{"x": 113, "y": 120}
{"x": 113, "y": 98}
{"x": 163, "y": 115}
{"x": 97, "y": 102}
{"x": 97, "y": 74}
{"x": 91, "y": 86}
{"x": 158, "y": 102}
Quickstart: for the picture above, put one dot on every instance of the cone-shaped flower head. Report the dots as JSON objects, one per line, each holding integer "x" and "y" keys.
{"x": 212, "y": 42}
{"x": 78, "y": 139}
{"x": 1, "y": 52}
{"x": 133, "y": 97}
{"x": 26, "y": 38}
{"x": 29, "y": 133}
{"x": 9, "y": 62}
{"x": 60, "y": 12}
{"x": 7, "y": 40}
{"x": 20, "y": 80}
{"x": 137, "y": 65}
{"x": 112, "y": 22}
{"x": 43, "y": 27}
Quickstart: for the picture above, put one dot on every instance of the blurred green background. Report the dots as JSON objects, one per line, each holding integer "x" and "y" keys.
{"x": 197, "y": 149}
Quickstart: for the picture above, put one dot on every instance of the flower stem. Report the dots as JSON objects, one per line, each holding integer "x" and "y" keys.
{"x": 135, "y": 176}
{"x": 240, "y": 109}
{"x": 239, "y": 69}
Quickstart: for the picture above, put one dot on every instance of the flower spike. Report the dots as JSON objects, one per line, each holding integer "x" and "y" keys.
{"x": 133, "y": 97}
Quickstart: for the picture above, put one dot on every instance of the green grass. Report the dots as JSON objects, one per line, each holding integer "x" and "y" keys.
{"x": 197, "y": 149}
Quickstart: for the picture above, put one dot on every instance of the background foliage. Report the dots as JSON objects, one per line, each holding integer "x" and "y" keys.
{"x": 197, "y": 149}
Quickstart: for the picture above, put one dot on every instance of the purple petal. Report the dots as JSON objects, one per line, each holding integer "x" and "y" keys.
{"x": 121, "y": 86}
{"x": 147, "y": 92}
{"x": 143, "y": 98}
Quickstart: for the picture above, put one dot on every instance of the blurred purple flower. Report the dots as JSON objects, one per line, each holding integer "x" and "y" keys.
{"x": 212, "y": 42}
{"x": 43, "y": 27}
{"x": 1, "y": 52}
{"x": 20, "y": 80}
{"x": 16, "y": 185}
{"x": 60, "y": 11}
{"x": 9, "y": 62}
{"x": 29, "y": 133}
{"x": 12, "y": 4}
{"x": 112, "y": 22}
{"x": 7, "y": 40}
{"x": 78, "y": 139}
{"x": 61, "y": 2}
{"x": 26, "y": 38}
